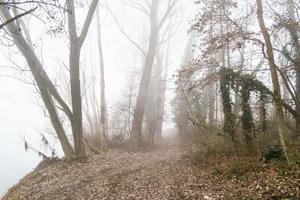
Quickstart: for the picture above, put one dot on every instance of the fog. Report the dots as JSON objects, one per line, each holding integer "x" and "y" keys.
{"x": 22, "y": 114}
{"x": 149, "y": 99}
{"x": 20, "y": 118}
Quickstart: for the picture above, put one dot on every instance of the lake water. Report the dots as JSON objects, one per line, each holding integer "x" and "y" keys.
{"x": 19, "y": 117}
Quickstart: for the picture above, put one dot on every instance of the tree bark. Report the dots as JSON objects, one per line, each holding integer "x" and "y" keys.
{"x": 76, "y": 43}
{"x": 43, "y": 86}
{"x": 275, "y": 81}
{"x": 74, "y": 57}
{"x": 210, "y": 89}
{"x": 161, "y": 96}
{"x": 103, "y": 107}
{"x": 293, "y": 29}
{"x": 136, "y": 135}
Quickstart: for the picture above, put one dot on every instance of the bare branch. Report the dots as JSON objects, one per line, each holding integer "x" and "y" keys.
{"x": 17, "y": 17}
{"x": 125, "y": 34}
{"x": 137, "y": 6}
{"x": 171, "y": 5}
{"x": 88, "y": 21}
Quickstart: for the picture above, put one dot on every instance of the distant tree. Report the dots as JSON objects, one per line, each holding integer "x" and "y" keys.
{"x": 160, "y": 20}
{"x": 180, "y": 102}
{"x": 122, "y": 109}
{"x": 103, "y": 105}
{"x": 156, "y": 25}
{"x": 161, "y": 87}
{"x": 153, "y": 104}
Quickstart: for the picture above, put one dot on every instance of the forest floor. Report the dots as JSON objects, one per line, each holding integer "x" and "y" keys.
{"x": 170, "y": 172}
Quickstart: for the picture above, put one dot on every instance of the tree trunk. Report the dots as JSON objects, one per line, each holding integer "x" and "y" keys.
{"x": 275, "y": 81}
{"x": 225, "y": 86}
{"x": 103, "y": 107}
{"x": 161, "y": 96}
{"x": 46, "y": 86}
{"x": 76, "y": 43}
{"x": 74, "y": 58}
{"x": 246, "y": 118}
{"x": 293, "y": 29}
{"x": 38, "y": 74}
{"x": 76, "y": 102}
{"x": 159, "y": 86}
{"x": 136, "y": 135}
{"x": 211, "y": 92}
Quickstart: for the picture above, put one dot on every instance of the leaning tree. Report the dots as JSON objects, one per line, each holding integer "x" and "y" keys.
{"x": 51, "y": 97}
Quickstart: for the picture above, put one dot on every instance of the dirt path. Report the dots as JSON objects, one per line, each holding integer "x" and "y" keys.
{"x": 119, "y": 175}
{"x": 164, "y": 174}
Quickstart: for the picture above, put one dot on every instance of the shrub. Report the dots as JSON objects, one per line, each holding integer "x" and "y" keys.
{"x": 272, "y": 152}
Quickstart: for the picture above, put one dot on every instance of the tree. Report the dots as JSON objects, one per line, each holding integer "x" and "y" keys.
{"x": 156, "y": 26}
{"x": 122, "y": 110}
{"x": 226, "y": 41}
{"x": 154, "y": 108}
{"x": 162, "y": 75}
{"x": 292, "y": 28}
{"x": 46, "y": 87}
{"x": 12, "y": 4}
{"x": 180, "y": 105}
{"x": 103, "y": 105}
{"x": 8, "y": 21}
{"x": 276, "y": 85}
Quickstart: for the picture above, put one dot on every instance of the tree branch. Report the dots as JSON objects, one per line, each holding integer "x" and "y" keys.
{"x": 125, "y": 34}
{"x": 88, "y": 21}
{"x": 17, "y": 17}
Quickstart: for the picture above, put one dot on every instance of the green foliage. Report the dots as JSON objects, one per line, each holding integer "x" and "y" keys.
{"x": 243, "y": 84}
{"x": 247, "y": 119}
{"x": 226, "y": 78}
{"x": 272, "y": 152}
{"x": 294, "y": 158}
{"x": 262, "y": 112}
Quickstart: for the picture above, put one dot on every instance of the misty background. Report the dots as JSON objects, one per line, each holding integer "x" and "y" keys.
{"x": 22, "y": 115}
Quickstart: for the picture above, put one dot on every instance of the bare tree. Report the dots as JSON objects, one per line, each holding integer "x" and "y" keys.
{"x": 122, "y": 110}
{"x": 76, "y": 42}
{"x": 103, "y": 105}
{"x": 276, "y": 85}
{"x": 156, "y": 25}
{"x": 162, "y": 75}
{"x": 23, "y": 7}
{"x": 46, "y": 86}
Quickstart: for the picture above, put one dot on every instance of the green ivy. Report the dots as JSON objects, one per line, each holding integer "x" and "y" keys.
{"x": 243, "y": 84}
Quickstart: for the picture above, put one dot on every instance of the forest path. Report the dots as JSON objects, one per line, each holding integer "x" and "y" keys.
{"x": 170, "y": 172}
{"x": 160, "y": 174}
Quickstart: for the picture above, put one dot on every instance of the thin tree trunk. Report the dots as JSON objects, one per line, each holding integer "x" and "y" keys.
{"x": 293, "y": 29}
{"x": 276, "y": 85}
{"x": 161, "y": 95}
{"x": 103, "y": 108}
{"x": 211, "y": 97}
{"x": 223, "y": 49}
